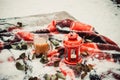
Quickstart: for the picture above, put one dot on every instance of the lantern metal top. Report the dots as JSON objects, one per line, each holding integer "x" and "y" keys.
{"x": 72, "y": 40}
{"x": 72, "y": 36}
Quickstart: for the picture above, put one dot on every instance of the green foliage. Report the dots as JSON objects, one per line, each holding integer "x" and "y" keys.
{"x": 19, "y": 66}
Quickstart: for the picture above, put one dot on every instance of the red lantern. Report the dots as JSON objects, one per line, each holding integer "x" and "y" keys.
{"x": 72, "y": 44}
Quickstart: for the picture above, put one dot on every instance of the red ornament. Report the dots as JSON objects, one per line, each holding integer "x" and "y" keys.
{"x": 72, "y": 44}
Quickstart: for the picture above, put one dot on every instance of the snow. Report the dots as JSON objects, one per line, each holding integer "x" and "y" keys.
{"x": 9, "y": 71}
{"x": 103, "y": 65}
{"x": 101, "y": 14}
{"x": 40, "y": 69}
{"x": 16, "y": 53}
{"x": 27, "y": 28}
{"x": 4, "y": 54}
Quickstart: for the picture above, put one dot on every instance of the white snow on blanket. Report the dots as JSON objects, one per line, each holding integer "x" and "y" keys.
{"x": 9, "y": 71}
{"x": 99, "y": 13}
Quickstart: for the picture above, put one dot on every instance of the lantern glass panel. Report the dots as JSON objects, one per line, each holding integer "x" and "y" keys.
{"x": 66, "y": 53}
{"x": 73, "y": 54}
